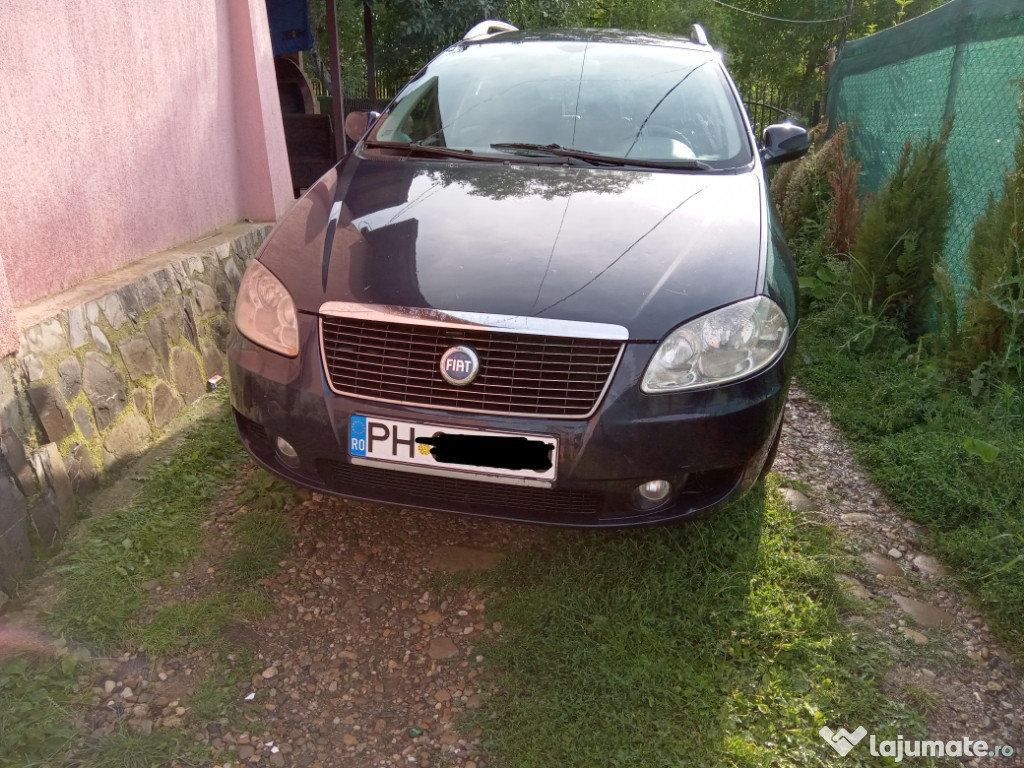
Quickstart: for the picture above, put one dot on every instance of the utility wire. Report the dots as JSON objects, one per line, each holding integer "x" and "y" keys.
{"x": 776, "y": 18}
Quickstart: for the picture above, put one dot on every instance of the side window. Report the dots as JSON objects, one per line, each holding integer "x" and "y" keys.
{"x": 414, "y": 117}
{"x": 424, "y": 120}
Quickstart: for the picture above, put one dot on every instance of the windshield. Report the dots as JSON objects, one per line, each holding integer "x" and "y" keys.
{"x": 641, "y": 102}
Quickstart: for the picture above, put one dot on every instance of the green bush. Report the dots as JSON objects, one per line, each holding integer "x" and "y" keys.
{"x": 903, "y": 234}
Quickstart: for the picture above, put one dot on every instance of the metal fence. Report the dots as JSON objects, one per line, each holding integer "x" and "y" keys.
{"x": 356, "y": 93}
{"x": 767, "y": 104}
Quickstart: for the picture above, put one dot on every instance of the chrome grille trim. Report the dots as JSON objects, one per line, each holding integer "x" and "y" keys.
{"x": 532, "y": 367}
{"x": 538, "y": 326}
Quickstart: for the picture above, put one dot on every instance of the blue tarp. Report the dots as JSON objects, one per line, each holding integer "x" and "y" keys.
{"x": 289, "y": 26}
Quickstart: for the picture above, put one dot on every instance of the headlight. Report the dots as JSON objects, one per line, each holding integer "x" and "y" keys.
{"x": 265, "y": 313}
{"x": 728, "y": 344}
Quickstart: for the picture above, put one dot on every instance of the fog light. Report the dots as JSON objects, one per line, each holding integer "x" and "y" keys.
{"x": 651, "y": 495}
{"x": 286, "y": 453}
{"x": 655, "y": 491}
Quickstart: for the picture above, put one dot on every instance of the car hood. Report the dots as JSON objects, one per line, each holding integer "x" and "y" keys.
{"x": 645, "y": 250}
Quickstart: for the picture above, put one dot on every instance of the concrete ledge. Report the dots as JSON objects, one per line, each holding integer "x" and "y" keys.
{"x": 101, "y": 372}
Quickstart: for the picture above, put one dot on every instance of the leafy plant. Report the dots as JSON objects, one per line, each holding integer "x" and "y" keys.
{"x": 903, "y": 234}
{"x": 981, "y": 449}
{"x": 820, "y": 285}
{"x": 266, "y": 492}
{"x": 902, "y": 12}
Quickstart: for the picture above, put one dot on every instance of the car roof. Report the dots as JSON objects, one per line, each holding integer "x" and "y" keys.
{"x": 589, "y": 35}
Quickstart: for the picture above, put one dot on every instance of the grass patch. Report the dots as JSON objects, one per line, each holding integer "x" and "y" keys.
{"x": 919, "y": 436}
{"x": 37, "y": 701}
{"x": 219, "y": 694}
{"x": 262, "y": 537}
{"x": 157, "y": 533}
{"x": 126, "y": 749}
{"x": 712, "y": 644}
{"x": 200, "y": 622}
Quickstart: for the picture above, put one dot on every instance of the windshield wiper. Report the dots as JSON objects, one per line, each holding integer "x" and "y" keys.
{"x": 418, "y": 148}
{"x": 558, "y": 150}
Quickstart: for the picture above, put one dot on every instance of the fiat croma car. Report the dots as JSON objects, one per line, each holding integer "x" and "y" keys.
{"x": 545, "y": 285}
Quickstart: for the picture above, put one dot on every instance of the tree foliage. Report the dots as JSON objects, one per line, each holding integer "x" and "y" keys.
{"x": 790, "y": 55}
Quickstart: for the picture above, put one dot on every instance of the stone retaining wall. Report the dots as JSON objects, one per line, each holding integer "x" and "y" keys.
{"x": 101, "y": 372}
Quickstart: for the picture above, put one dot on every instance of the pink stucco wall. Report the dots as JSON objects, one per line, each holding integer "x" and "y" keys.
{"x": 130, "y": 127}
{"x": 8, "y": 325}
{"x": 260, "y": 141}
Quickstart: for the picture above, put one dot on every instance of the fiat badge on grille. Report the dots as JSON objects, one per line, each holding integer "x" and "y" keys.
{"x": 459, "y": 366}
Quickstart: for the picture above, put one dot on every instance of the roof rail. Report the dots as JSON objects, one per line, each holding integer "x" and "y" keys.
{"x": 698, "y": 35}
{"x": 489, "y": 28}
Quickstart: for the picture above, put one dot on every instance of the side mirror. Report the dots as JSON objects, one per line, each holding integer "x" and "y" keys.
{"x": 783, "y": 142}
{"x": 358, "y": 123}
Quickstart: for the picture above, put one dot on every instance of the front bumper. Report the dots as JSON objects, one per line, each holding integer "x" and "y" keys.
{"x": 710, "y": 445}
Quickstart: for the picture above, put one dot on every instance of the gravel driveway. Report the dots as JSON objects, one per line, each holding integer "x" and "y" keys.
{"x": 368, "y": 654}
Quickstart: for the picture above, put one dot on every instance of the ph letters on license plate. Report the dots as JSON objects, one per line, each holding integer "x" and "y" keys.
{"x": 498, "y": 454}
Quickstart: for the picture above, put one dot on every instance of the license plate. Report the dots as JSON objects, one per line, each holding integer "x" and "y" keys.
{"x": 437, "y": 449}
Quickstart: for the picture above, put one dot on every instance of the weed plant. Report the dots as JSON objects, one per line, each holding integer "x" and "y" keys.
{"x": 844, "y": 209}
{"x": 262, "y": 535}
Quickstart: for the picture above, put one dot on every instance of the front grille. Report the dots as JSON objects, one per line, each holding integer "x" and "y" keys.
{"x": 450, "y": 493}
{"x": 520, "y": 373}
